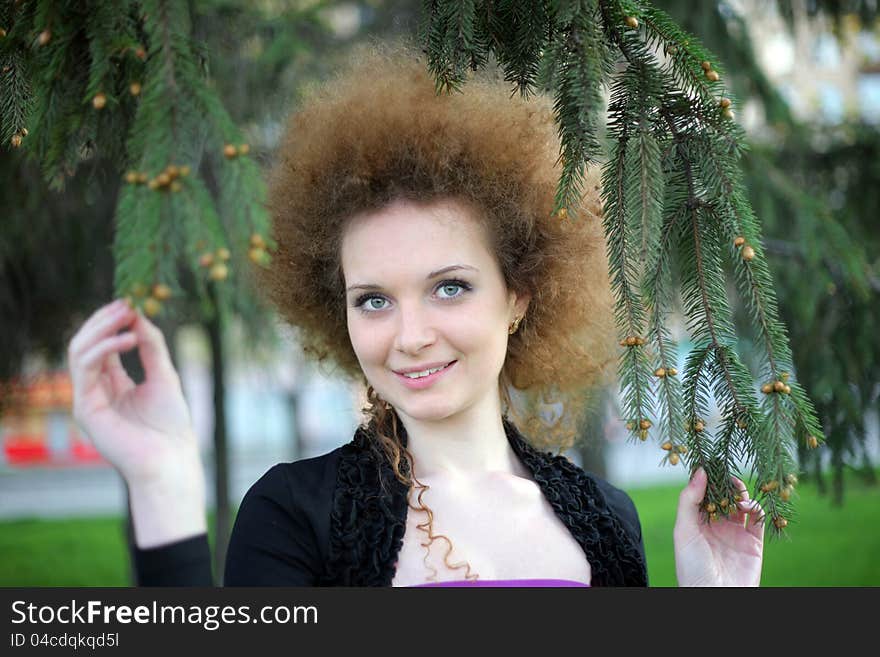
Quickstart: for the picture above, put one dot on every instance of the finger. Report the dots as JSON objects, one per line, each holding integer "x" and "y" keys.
{"x": 751, "y": 516}
{"x": 90, "y": 365}
{"x": 106, "y": 321}
{"x": 741, "y": 487}
{"x": 695, "y": 491}
{"x": 118, "y": 376}
{"x": 88, "y": 340}
{"x": 152, "y": 347}
{"x": 688, "y": 517}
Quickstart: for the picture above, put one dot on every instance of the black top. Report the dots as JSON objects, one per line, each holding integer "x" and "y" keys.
{"x": 339, "y": 519}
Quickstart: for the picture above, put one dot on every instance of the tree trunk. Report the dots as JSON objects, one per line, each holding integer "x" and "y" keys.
{"x": 867, "y": 469}
{"x": 297, "y": 442}
{"x": 837, "y": 474}
{"x": 130, "y": 539}
{"x": 821, "y": 488}
{"x": 223, "y": 524}
{"x": 592, "y": 446}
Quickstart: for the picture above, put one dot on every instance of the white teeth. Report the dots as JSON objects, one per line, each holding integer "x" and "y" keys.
{"x": 423, "y": 373}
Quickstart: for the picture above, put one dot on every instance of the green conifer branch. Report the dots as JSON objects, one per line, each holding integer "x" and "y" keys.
{"x": 657, "y": 298}
{"x": 668, "y": 185}
{"x": 753, "y": 279}
{"x": 629, "y": 311}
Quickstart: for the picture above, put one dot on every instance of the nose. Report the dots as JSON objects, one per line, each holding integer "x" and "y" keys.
{"x": 414, "y": 330}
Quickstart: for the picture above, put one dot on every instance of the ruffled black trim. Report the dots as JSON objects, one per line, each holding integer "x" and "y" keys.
{"x": 613, "y": 554}
{"x": 367, "y": 524}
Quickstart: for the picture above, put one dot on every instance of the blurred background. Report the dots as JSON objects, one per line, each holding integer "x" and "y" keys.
{"x": 807, "y": 79}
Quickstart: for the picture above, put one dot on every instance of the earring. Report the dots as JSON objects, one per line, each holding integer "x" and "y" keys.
{"x": 513, "y": 327}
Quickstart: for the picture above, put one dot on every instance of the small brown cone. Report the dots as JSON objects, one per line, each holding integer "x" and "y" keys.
{"x": 748, "y": 253}
{"x": 99, "y": 101}
{"x": 152, "y": 307}
{"x": 230, "y": 151}
{"x": 135, "y": 88}
{"x": 219, "y": 272}
{"x": 161, "y": 292}
{"x": 673, "y": 458}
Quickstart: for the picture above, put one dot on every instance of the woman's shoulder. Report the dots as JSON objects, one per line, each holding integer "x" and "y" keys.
{"x": 309, "y": 476}
{"x": 615, "y": 500}
{"x": 619, "y": 502}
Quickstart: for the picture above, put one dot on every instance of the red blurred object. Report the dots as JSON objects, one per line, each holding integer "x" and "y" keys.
{"x": 26, "y": 450}
{"x": 30, "y": 425}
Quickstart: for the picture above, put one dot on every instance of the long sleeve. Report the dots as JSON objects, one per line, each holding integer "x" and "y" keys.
{"x": 625, "y": 509}
{"x": 273, "y": 542}
{"x": 183, "y": 563}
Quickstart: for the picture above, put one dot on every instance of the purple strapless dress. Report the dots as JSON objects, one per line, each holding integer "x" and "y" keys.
{"x": 511, "y": 583}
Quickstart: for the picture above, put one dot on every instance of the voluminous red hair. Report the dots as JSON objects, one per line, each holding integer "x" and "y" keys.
{"x": 378, "y": 131}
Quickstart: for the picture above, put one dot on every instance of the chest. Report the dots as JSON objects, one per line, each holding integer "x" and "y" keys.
{"x": 502, "y": 527}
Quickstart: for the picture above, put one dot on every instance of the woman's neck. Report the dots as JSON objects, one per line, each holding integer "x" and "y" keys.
{"x": 468, "y": 443}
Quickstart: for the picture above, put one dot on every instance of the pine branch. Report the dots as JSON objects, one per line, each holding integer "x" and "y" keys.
{"x": 668, "y": 185}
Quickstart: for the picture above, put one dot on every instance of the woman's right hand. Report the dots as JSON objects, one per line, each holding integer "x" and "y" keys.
{"x": 144, "y": 430}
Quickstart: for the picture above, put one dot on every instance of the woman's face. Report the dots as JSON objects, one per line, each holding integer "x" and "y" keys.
{"x": 423, "y": 290}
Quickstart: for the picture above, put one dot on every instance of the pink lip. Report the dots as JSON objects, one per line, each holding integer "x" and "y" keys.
{"x": 425, "y": 381}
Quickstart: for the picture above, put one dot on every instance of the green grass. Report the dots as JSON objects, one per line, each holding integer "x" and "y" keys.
{"x": 826, "y": 546}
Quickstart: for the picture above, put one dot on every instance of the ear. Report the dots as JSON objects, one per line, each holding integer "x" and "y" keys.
{"x": 518, "y": 304}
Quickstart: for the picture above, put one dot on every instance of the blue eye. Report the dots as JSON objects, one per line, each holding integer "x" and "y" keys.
{"x": 452, "y": 284}
{"x": 447, "y": 285}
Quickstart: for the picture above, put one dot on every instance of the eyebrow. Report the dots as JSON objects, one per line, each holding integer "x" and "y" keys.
{"x": 433, "y": 274}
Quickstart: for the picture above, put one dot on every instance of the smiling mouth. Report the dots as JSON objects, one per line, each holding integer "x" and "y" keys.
{"x": 426, "y": 373}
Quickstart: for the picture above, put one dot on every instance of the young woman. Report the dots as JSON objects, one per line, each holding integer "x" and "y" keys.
{"x": 416, "y": 253}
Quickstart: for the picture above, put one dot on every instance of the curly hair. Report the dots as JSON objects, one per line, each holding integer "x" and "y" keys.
{"x": 378, "y": 132}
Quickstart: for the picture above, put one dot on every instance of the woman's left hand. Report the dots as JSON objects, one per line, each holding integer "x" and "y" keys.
{"x": 724, "y": 552}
